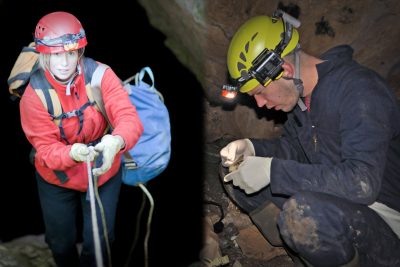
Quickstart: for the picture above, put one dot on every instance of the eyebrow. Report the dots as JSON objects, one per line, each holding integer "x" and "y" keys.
{"x": 254, "y": 92}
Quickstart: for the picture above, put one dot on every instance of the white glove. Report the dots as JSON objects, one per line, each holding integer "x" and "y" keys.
{"x": 252, "y": 175}
{"x": 236, "y": 151}
{"x": 80, "y": 152}
{"x": 109, "y": 146}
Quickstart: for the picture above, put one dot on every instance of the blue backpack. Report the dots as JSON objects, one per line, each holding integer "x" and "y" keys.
{"x": 151, "y": 154}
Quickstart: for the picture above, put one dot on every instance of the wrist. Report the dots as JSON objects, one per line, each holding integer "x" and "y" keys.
{"x": 250, "y": 147}
{"x": 121, "y": 141}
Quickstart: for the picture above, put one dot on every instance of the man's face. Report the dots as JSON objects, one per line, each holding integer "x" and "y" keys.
{"x": 63, "y": 65}
{"x": 280, "y": 95}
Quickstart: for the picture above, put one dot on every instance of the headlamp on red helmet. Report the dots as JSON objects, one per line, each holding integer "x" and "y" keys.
{"x": 67, "y": 42}
{"x": 59, "y": 32}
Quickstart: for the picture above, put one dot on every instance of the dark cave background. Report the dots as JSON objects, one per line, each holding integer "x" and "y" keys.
{"x": 120, "y": 36}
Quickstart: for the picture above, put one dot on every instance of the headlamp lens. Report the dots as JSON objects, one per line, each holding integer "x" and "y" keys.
{"x": 229, "y": 91}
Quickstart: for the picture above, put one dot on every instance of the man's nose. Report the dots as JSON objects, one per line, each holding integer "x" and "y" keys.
{"x": 261, "y": 101}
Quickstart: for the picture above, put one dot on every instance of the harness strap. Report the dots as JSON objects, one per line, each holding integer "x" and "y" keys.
{"x": 51, "y": 102}
{"x": 75, "y": 113}
{"x": 61, "y": 176}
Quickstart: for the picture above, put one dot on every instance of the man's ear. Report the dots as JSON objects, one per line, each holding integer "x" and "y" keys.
{"x": 288, "y": 70}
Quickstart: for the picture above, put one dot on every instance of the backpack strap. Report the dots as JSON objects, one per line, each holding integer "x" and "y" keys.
{"x": 47, "y": 95}
{"x": 139, "y": 79}
{"x": 95, "y": 85}
{"x": 95, "y": 92}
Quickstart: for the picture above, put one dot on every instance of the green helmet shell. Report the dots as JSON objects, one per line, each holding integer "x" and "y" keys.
{"x": 250, "y": 40}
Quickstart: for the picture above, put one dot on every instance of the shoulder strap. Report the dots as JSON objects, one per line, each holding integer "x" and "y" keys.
{"x": 95, "y": 85}
{"x": 47, "y": 95}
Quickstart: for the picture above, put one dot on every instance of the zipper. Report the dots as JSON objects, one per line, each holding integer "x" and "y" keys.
{"x": 315, "y": 138}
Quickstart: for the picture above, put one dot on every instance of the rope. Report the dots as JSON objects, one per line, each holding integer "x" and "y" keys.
{"x": 136, "y": 237}
{"x": 95, "y": 227}
{"x": 149, "y": 218}
{"x": 148, "y": 223}
{"x": 93, "y": 192}
{"x": 103, "y": 220}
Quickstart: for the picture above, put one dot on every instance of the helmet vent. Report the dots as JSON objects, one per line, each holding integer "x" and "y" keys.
{"x": 41, "y": 28}
{"x": 240, "y": 66}
{"x": 254, "y": 36}
{"x": 242, "y": 56}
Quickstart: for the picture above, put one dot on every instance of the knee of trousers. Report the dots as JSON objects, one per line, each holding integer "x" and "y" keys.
{"x": 61, "y": 244}
{"x": 311, "y": 225}
{"x": 297, "y": 224}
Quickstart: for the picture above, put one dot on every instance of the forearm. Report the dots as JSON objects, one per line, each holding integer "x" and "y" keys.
{"x": 355, "y": 181}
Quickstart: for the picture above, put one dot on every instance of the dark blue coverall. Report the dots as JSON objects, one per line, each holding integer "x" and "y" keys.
{"x": 331, "y": 163}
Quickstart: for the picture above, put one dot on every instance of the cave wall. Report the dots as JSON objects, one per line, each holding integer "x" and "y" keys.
{"x": 198, "y": 33}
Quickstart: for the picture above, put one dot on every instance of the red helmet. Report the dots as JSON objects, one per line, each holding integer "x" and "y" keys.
{"x": 59, "y": 32}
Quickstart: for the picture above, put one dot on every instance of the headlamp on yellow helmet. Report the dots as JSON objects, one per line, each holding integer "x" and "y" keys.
{"x": 256, "y": 51}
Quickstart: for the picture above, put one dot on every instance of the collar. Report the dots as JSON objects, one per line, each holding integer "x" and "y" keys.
{"x": 64, "y": 87}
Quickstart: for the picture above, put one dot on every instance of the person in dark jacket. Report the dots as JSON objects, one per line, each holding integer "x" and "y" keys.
{"x": 328, "y": 189}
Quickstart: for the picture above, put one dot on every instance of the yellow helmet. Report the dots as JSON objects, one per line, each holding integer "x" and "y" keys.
{"x": 256, "y": 38}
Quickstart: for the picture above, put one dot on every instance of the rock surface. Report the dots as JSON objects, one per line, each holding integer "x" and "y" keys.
{"x": 27, "y": 251}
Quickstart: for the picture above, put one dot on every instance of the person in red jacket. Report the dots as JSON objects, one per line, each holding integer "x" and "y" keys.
{"x": 63, "y": 148}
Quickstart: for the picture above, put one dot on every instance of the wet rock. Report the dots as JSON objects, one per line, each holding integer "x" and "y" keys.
{"x": 28, "y": 251}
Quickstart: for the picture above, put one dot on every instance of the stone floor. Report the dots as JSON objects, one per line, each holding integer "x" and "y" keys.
{"x": 239, "y": 243}
{"x": 27, "y": 251}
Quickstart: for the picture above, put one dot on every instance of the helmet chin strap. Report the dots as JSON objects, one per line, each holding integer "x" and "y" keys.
{"x": 297, "y": 81}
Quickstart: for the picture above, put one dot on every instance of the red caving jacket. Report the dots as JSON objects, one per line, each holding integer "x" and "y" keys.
{"x": 52, "y": 151}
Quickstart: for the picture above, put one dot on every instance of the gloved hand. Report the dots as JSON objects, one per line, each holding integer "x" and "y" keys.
{"x": 236, "y": 151}
{"x": 110, "y": 145}
{"x": 252, "y": 175}
{"x": 80, "y": 152}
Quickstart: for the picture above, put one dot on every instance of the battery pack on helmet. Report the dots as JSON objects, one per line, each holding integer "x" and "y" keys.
{"x": 267, "y": 66}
